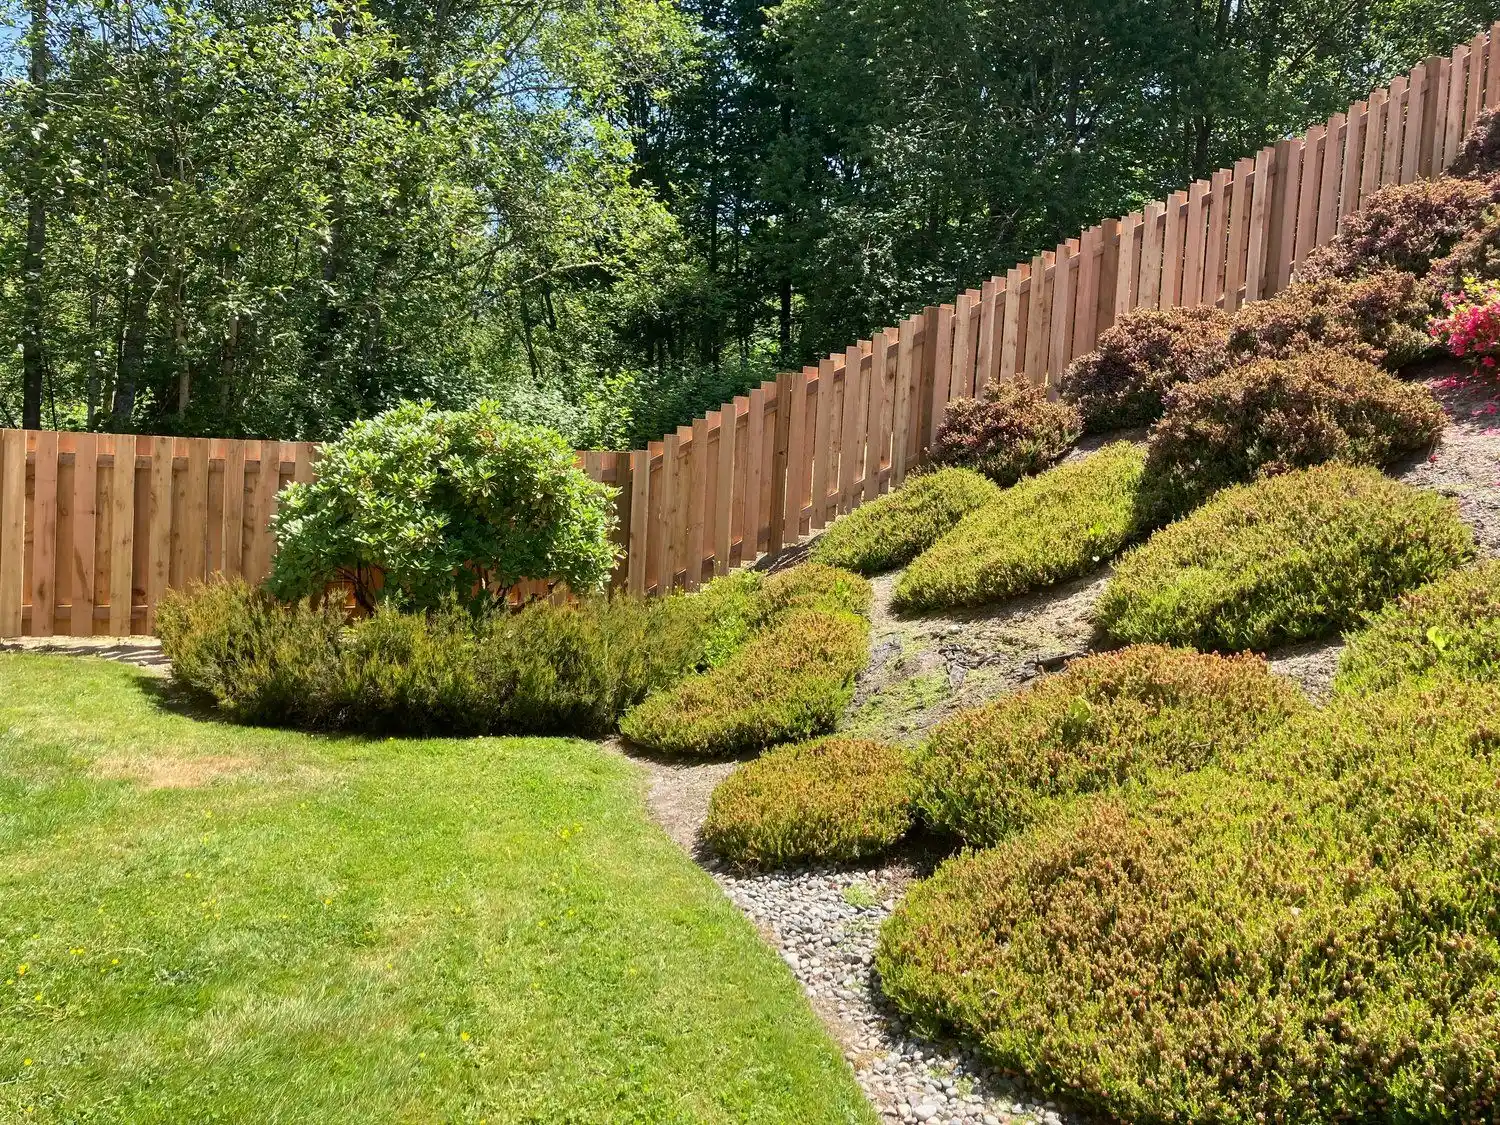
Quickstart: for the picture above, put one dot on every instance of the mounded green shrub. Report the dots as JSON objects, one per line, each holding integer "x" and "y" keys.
{"x": 1062, "y": 523}
{"x": 1402, "y": 226}
{"x": 546, "y": 668}
{"x": 892, "y": 530}
{"x": 1449, "y": 627}
{"x": 1380, "y": 318}
{"x": 1293, "y": 557}
{"x": 1271, "y": 416}
{"x": 834, "y": 800}
{"x": 1309, "y": 937}
{"x": 828, "y": 589}
{"x": 1106, "y": 720}
{"x": 788, "y": 684}
{"x": 1010, "y": 431}
{"x": 1122, "y": 382}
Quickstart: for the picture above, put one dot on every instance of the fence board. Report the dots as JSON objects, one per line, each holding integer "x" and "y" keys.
{"x": 1061, "y": 326}
{"x": 1109, "y": 266}
{"x": 875, "y": 407}
{"x": 1375, "y": 142}
{"x": 122, "y": 536}
{"x": 1350, "y": 163}
{"x": 1172, "y": 249}
{"x": 1152, "y": 229}
{"x": 984, "y": 355}
{"x": 1011, "y": 329}
{"x": 1127, "y": 266}
{"x": 1411, "y": 134}
{"x": 698, "y": 507}
{"x": 44, "y": 535}
{"x": 85, "y": 521}
{"x": 12, "y": 530}
{"x": 1086, "y": 297}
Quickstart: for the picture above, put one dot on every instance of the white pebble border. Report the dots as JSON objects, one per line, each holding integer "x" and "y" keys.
{"x": 824, "y": 923}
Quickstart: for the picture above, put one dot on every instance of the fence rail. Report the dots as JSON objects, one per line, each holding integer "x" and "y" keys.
{"x": 94, "y": 527}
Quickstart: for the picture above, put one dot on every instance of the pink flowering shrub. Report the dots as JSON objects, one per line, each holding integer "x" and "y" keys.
{"x": 1470, "y": 326}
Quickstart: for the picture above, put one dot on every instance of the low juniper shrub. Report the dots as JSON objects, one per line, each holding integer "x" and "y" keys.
{"x": 830, "y": 800}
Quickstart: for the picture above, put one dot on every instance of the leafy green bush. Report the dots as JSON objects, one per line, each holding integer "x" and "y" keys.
{"x": 1451, "y": 626}
{"x": 568, "y": 668}
{"x": 835, "y": 799}
{"x": 1309, "y": 937}
{"x": 892, "y": 530}
{"x": 1054, "y": 526}
{"x": 1122, "y": 382}
{"x": 789, "y": 683}
{"x": 1401, "y": 226}
{"x": 1010, "y": 431}
{"x": 1380, "y": 318}
{"x": 1107, "y": 719}
{"x": 417, "y": 505}
{"x": 1289, "y": 558}
{"x": 1271, "y": 416}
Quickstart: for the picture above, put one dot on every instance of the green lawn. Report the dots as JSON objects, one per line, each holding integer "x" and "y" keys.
{"x": 201, "y": 922}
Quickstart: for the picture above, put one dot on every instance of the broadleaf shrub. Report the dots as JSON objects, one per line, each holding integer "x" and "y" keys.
{"x": 1106, "y": 720}
{"x": 1470, "y": 327}
{"x": 1402, "y": 226}
{"x": 892, "y": 530}
{"x": 1288, "y": 558}
{"x": 1448, "y": 627}
{"x": 1010, "y": 431}
{"x": 1310, "y": 936}
{"x": 417, "y": 505}
{"x": 572, "y": 668}
{"x": 1480, "y": 153}
{"x": 1380, "y": 318}
{"x": 790, "y": 683}
{"x": 831, "y": 800}
{"x": 1122, "y": 382}
{"x": 1474, "y": 258}
{"x": 1063, "y": 523}
{"x": 1272, "y": 416}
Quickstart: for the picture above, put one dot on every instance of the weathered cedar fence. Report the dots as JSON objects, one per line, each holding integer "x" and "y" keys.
{"x": 94, "y": 527}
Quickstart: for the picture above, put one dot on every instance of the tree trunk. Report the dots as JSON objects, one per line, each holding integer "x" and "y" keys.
{"x": 32, "y": 361}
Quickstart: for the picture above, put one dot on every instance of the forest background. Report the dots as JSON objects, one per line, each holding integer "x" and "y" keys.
{"x": 268, "y": 218}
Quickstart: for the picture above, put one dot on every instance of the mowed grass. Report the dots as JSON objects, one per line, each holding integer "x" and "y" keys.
{"x": 202, "y": 922}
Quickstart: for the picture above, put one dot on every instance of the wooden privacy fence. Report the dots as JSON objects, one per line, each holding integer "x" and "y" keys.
{"x": 94, "y": 527}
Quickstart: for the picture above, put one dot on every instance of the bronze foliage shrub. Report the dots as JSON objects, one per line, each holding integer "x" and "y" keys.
{"x": 1121, "y": 383}
{"x": 1379, "y": 318}
{"x": 1009, "y": 431}
{"x": 1272, "y": 416}
{"x": 831, "y": 800}
{"x": 1106, "y": 720}
{"x": 1312, "y": 934}
{"x": 1403, "y": 227}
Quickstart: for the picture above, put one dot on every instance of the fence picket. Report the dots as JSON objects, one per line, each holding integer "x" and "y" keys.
{"x": 84, "y": 508}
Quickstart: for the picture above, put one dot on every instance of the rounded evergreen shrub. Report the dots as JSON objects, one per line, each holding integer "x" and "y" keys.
{"x": 829, "y": 589}
{"x": 1271, "y": 416}
{"x": 257, "y": 659}
{"x": 1449, "y": 627}
{"x": 892, "y": 530}
{"x": 1063, "y": 523}
{"x": 1308, "y": 937}
{"x": 1010, "y": 431}
{"x": 1380, "y": 318}
{"x": 1106, "y": 720}
{"x": 418, "y": 505}
{"x": 787, "y": 684}
{"x": 1402, "y": 226}
{"x": 1480, "y": 154}
{"x": 1474, "y": 257}
{"x": 832, "y": 800}
{"x": 1121, "y": 383}
{"x": 1289, "y": 558}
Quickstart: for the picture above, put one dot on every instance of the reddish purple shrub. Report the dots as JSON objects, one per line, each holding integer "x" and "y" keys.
{"x": 1275, "y": 415}
{"x": 1480, "y": 155}
{"x": 1008, "y": 433}
{"x": 1121, "y": 382}
{"x": 1403, "y": 227}
{"x": 1379, "y": 318}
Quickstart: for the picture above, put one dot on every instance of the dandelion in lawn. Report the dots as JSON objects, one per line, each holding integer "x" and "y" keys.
{"x": 463, "y": 1036}
{"x": 25, "y": 1062}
